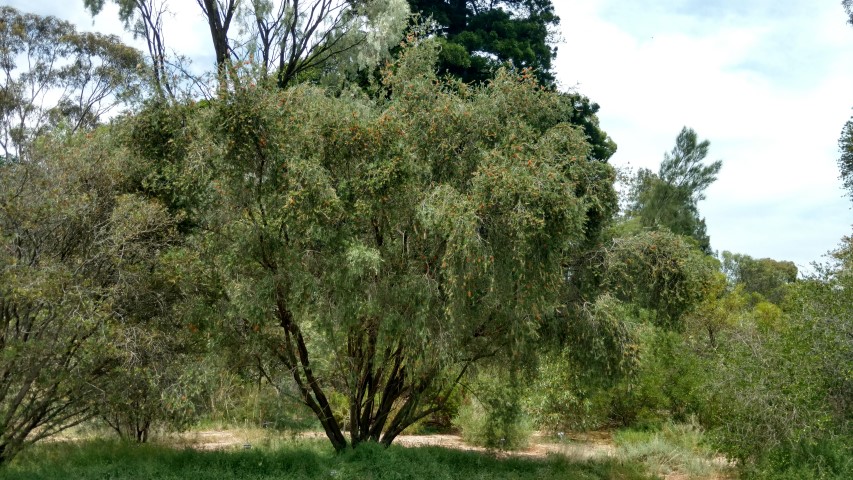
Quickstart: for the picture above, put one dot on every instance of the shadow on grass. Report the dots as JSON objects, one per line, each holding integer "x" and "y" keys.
{"x": 316, "y": 460}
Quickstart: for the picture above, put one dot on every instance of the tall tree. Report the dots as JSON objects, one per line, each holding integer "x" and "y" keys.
{"x": 669, "y": 199}
{"x": 144, "y": 18}
{"x": 219, "y": 15}
{"x": 479, "y": 36}
{"x": 845, "y": 161}
{"x": 845, "y": 143}
{"x": 764, "y": 276}
{"x": 482, "y": 35}
{"x": 292, "y": 37}
{"x": 287, "y": 37}
{"x": 51, "y": 74}
{"x": 381, "y": 247}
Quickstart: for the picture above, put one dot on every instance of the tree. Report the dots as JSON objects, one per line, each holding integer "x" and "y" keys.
{"x": 144, "y": 18}
{"x": 659, "y": 272}
{"x": 51, "y": 74}
{"x": 764, "y": 276}
{"x": 848, "y": 7}
{"x": 481, "y": 36}
{"x": 669, "y": 199}
{"x": 286, "y": 38}
{"x": 335, "y": 36}
{"x": 845, "y": 161}
{"x": 381, "y": 247}
{"x": 73, "y": 247}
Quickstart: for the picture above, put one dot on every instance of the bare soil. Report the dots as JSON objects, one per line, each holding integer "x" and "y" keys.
{"x": 581, "y": 446}
{"x": 578, "y": 446}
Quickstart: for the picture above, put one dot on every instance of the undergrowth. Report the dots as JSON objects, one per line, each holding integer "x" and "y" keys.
{"x": 670, "y": 449}
{"x": 301, "y": 460}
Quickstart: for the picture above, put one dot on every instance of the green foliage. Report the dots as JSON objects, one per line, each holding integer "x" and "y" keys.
{"x": 669, "y": 198}
{"x": 674, "y": 449}
{"x": 666, "y": 384}
{"x": 480, "y": 37}
{"x": 821, "y": 459}
{"x": 75, "y": 256}
{"x": 845, "y": 145}
{"x": 765, "y": 276}
{"x": 493, "y": 416}
{"x": 775, "y": 388}
{"x": 303, "y": 460}
{"x": 53, "y": 75}
{"x": 659, "y": 272}
{"x": 565, "y": 396}
{"x": 393, "y": 241}
{"x": 483, "y": 36}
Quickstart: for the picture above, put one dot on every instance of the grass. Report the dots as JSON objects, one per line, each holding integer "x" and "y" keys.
{"x": 673, "y": 449}
{"x": 301, "y": 459}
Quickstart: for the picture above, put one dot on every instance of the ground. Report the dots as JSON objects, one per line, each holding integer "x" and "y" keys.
{"x": 579, "y": 446}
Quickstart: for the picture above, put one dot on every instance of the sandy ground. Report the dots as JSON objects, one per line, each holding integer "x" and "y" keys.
{"x": 579, "y": 446}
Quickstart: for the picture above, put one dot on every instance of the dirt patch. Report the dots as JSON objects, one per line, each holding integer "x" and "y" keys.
{"x": 587, "y": 447}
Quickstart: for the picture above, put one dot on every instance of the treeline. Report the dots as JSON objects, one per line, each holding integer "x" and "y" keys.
{"x": 323, "y": 242}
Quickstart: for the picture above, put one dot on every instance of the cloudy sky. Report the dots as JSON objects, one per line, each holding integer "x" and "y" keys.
{"x": 768, "y": 82}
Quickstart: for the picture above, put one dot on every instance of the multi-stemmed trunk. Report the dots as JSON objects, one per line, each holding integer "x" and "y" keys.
{"x": 384, "y": 399}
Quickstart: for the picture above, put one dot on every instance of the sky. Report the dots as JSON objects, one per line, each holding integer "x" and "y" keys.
{"x": 768, "y": 82}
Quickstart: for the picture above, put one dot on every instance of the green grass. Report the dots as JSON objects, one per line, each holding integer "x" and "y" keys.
{"x": 111, "y": 460}
{"x": 672, "y": 449}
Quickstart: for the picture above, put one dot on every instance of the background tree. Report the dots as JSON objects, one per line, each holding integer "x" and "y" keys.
{"x": 669, "y": 199}
{"x": 72, "y": 244}
{"x": 845, "y": 161}
{"x": 764, "y": 276}
{"x": 144, "y": 18}
{"x": 292, "y": 38}
{"x": 51, "y": 74}
{"x": 481, "y": 36}
{"x": 286, "y": 38}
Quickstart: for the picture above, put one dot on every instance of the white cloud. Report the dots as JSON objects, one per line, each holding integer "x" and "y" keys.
{"x": 771, "y": 89}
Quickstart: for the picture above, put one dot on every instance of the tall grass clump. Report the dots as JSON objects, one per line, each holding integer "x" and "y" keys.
{"x": 672, "y": 449}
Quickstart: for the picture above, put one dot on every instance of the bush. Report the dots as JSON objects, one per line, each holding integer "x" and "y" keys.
{"x": 501, "y": 428}
{"x": 493, "y": 416}
{"x": 827, "y": 459}
{"x": 561, "y": 399}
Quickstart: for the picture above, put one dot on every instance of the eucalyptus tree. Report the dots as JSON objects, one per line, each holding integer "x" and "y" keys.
{"x": 284, "y": 38}
{"x": 51, "y": 74}
{"x": 381, "y": 247}
{"x": 765, "y": 276}
{"x": 845, "y": 161}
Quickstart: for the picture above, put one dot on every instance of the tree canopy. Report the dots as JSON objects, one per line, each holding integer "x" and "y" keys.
{"x": 51, "y": 74}
{"x": 480, "y": 36}
{"x": 380, "y": 247}
{"x": 283, "y": 39}
{"x": 845, "y": 160}
{"x": 670, "y": 198}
